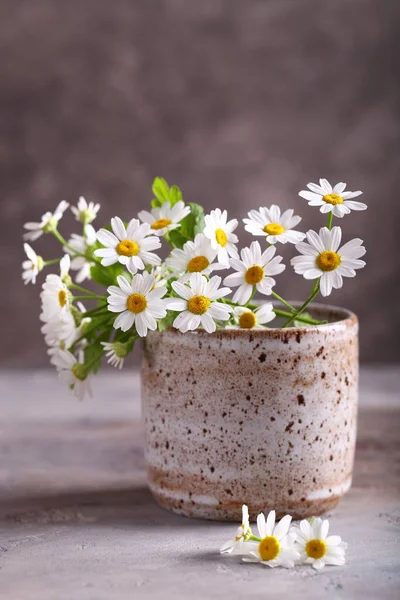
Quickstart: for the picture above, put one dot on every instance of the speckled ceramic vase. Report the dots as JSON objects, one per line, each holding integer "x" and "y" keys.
{"x": 264, "y": 417}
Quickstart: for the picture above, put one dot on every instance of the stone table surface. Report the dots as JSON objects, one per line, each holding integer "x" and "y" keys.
{"x": 77, "y": 521}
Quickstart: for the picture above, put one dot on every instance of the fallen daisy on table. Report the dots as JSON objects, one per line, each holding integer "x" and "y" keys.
{"x": 285, "y": 545}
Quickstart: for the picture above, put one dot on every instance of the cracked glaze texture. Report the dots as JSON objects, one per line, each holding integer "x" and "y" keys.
{"x": 267, "y": 417}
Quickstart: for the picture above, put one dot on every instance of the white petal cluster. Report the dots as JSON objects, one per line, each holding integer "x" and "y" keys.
{"x": 138, "y": 302}
{"x": 35, "y": 230}
{"x": 281, "y": 544}
{"x": 78, "y": 248}
{"x": 131, "y": 246}
{"x": 164, "y": 219}
{"x": 322, "y": 258}
{"x": 220, "y": 232}
{"x": 332, "y": 199}
{"x": 198, "y": 303}
{"x": 70, "y": 371}
{"x": 85, "y": 212}
{"x": 255, "y": 269}
{"x": 196, "y": 256}
{"x": 32, "y": 266}
{"x": 245, "y": 318}
{"x": 274, "y": 226}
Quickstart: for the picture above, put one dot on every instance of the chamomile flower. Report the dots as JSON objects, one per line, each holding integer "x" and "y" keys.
{"x": 139, "y": 303}
{"x": 243, "y": 532}
{"x": 255, "y": 269}
{"x": 32, "y": 266}
{"x": 129, "y": 246}
{"x": 81, "y": 244}
{"x": 322, "y": 257}
{"x": 55, "y": 296}
{"x": 72, "y": 372}
{"x": 196, "y": 256}
{"x": 220, "y": 231}
{"x": 316, "y": 548}
{"x": 165, "y": 218}
{"x": 115, "y": 353}
{"x": 274, "y": 226}
{"x": 253, "y": 319}
{"x": 198, "y": 304}
{"x": 332, "y": 199}
{"x": 47, "y": 223}
{"x": 65, "y": 330}
{"x": 85, "y": 212}
{"x": 161, "y": 274}
{"x": 276, "y": 547}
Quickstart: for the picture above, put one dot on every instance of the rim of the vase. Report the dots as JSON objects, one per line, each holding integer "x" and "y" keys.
{"x": 336, "y": 315}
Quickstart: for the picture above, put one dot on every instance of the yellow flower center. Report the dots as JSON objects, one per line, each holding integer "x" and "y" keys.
{"x": 328, "y": 260}
{"x": 198, "y": 305}
{"x": 221, "y": 237}
{"x": 269, "y": 548}
{"x": 332, "y": 199}
{"x": 247, "y": 320}
{"x": 161, "y": 223}
{"x": 316, "y": 548}
{"x": 274, "y": 229}
{"x": 197, "y": 264}
{"x": 136, "y": 303}
{"x": 254, "y": 275}
{"x": 127, "y": 248}
{"x": 62, "y": 298}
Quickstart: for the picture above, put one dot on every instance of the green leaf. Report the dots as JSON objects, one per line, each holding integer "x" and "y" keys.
{"x": 193, "y": 223}
{"x": 175, "y": 238}
{"x": 175, "y": 195}
{"x": 106, "y": 276}
{"x": 156, "y": 203}
{"x": 93, "y": 354}
{"x": 167, "y": 321}
{"x": 160, "y": 189}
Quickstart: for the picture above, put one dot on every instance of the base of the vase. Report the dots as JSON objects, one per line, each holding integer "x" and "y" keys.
{"x": 202, "y": 508}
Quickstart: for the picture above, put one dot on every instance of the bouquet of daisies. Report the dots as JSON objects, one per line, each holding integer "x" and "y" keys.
{"x": 140, "y": 292}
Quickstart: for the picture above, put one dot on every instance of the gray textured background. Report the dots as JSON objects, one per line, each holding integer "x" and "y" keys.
{"x": 240, "y": 102}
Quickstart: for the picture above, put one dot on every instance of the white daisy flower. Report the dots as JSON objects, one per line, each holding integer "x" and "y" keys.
{"x": 161, "y": 274}
{"x": 129, "y": 246}
{"x": 276, "y": 227}
{"x": 253, "y": 319}
{"x": 115, "y": 353}
{"x": 197, "y": 303}
{"x": 81, "y": 244}
{"x": 85, "y": 212}
{"x": 316, "y": 548}
{"x": 243, "y": 533}
{"x": 63, "y": 331}
{"x": 276, "y": 548}
{"x": 323, "y": 258}
{"x": 32, "y": 266}
{"x": 220, "y": 232}
{"x": 197, "y": 256}
{"x": 47, "y": 223}
{"x": 334, "y": 200}
{"x": 72, "y": 372}
{"x": 165, "y": 218}
{"x": 139, "y": 303}
{"x": 255, "y": 269}
{"x": 55, "y": 296}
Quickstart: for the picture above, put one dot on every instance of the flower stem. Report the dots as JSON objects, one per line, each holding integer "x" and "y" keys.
{"x": 278, "y": 297}
{"x": 311, "y": 297}
{"x": 253, "y": 538}
{"x": 91, "y": 297}
{"x": 84, "y": 290}
{"x": 309, "y": 320}
{"x": 330, "y": 219}
{"x": 53, "y": 261}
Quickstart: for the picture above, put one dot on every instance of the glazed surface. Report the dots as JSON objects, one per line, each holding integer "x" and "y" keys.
{"x": 267, "y": 418}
